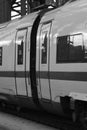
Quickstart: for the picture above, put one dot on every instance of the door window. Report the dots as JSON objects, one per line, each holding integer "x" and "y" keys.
{"x": 0, "y": 55}
{"x": 20, "y": 41}
{"x": 44, "y": 41}
{"x": 44, "y": 48}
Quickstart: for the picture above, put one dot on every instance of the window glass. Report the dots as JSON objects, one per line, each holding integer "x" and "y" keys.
{"x": 0, "y": 55}
{"x": 70, "y": 48}
{"x": 20, "y": 50}
{"x": 85, "y": 47}
{"x": 20, "y": 46}
{"x": 62, "y": 49}
{"x": 44, "y": 48}
{"x": 76, "y": 48}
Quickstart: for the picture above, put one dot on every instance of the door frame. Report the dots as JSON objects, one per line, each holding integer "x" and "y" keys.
{"x": 49, "y": 23}
{"x": 23, "y": 73}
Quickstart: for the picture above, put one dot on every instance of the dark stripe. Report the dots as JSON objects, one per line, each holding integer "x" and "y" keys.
{"x": 74, "y": 76}
{"x": 18, "y": 74}
{"x": 7, "y": 74}
{"x": 22, "y": 74}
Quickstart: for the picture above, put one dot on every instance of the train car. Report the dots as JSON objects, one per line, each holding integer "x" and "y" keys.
{"x": 43, "y": 61}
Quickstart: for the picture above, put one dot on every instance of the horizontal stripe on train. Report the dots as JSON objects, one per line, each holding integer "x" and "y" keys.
{"x": 75, "y": 76}
{"x": 20, "y": 74}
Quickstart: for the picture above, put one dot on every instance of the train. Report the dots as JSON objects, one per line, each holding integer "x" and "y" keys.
{"x": 43, "y": 60}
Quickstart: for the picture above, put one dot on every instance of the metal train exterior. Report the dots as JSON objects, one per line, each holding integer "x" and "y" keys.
{"x": 43, "y": 60}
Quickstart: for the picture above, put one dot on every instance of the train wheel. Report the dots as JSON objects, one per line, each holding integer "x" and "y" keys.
{"x": 83, "y": 119}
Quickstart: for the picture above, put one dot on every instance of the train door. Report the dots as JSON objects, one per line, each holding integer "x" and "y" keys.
{"x": 28, "y": 63}
{"x": 20, "y": 67}
{"x": 44, "y": 61}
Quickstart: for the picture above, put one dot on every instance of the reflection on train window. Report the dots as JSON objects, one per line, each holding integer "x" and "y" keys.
{"x": 85, "y": 47}
{"x": 70, "y": 48}
{"x": 20, "y": 51}
{"x": 44, "y": 48}
{"x": 62, "y": 49}
{"x": 0, "y": 55}
{"x": 76, "y": 48}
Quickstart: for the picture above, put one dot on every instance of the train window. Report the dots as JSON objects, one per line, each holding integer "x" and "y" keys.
{"x": 85, "y": 47}
{"x": 44, "y": 48}
{"x": 0, "y": 55}
{"x": 70, "y": 48}
{"x": 20, "y": 50}
{"x": 20, "y": 46}
{"x": 62, "y": 49}
{"x": 76, "y": 48}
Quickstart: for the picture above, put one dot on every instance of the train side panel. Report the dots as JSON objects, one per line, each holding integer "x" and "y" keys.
{"x": 7, "y": 81}
{"x": 64, "y": 76}
{"x": 68, "y": 67}
{"x": 15, "y": 85}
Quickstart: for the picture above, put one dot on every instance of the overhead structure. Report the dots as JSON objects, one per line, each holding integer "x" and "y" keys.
{"x": 23, "y": 7}
{"x": 5, "y": 10}
{"x": 18, "y": 8}
{"x": 10, "y": 9}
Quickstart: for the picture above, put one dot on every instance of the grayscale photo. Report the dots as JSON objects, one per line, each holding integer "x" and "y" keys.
{"x": 43, "y": 64}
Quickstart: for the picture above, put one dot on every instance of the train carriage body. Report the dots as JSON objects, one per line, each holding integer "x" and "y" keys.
{"x": 43, "y": 59}
{"x": 62, "y": 63}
